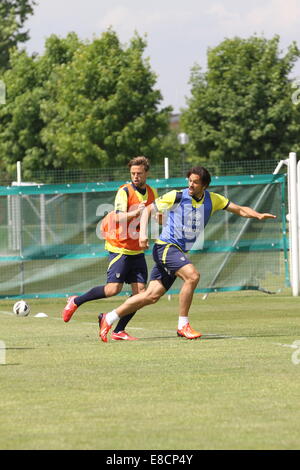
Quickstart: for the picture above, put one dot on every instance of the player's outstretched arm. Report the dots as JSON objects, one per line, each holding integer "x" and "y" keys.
{"x": 247, "y": 212}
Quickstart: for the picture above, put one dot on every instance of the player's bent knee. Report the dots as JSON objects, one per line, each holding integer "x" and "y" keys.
{"x": 112, "y": 289}
{"x": 195, "y": 277}
{"x": 152, "y": 298}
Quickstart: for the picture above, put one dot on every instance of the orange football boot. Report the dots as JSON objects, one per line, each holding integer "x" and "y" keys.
{"x": 69, "y": 309}
{"x": 104, "y": 327}
{"x": 188, "y": 332}
{"x": 122, "y": 335}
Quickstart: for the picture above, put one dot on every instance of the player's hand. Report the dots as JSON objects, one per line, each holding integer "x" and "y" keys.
{"x": 140, "y": 208}
{"x": 144, "y": 243}
{"x": 266, "y": 216}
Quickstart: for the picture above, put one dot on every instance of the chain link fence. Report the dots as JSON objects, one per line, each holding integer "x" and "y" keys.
{"x": 64, "y": 176}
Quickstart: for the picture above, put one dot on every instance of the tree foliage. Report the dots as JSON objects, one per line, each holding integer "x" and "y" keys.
{"x": 104, "y": 108}
{"x": 21, "y": 122}
{"x": 82, "y": 105}
{"x": 241, "y": 107}
{"x": 13, "y": 14}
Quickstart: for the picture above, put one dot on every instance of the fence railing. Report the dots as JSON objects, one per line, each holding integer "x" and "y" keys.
{"x": 61, "y": 176}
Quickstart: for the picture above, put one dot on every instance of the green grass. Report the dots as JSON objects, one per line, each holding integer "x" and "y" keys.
{"x": 236, "y": 388}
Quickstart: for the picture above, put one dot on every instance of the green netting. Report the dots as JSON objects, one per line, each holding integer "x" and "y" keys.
{"x": 49, "y": 244}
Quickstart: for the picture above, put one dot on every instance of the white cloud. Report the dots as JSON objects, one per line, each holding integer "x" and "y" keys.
{"x": 145, "y": 18}
{"x": 178, "y": 31}
{"x": 118, "y": 16}
{"x": 223, "y": 15}
{"x": 270, "y": 17}
{"x": 277, "y": 14}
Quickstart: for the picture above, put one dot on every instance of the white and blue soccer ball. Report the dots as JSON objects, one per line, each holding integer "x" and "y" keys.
{"x": 21, "y": 308}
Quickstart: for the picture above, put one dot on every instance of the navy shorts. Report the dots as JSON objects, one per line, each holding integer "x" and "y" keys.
{"x": 127, "y": 268}
{"x": 168, "y": 259}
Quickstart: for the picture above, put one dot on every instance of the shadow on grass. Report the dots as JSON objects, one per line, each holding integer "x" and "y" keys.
{"x": 14, "y": 349}
{"x": 11, "y": 364}
{"x": 207, "y": 337}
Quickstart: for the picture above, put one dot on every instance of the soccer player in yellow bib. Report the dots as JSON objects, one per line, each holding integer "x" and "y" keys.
{"x": 188, "y": 213}
{"x": 127, "y": 262}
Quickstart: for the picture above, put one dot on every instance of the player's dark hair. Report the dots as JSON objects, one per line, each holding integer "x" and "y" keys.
{"x": 141, "y": 160}
{"x": 202, "y": 172}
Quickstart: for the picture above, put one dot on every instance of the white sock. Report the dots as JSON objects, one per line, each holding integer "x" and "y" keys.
{"x": 111, "y": 317}
{"x": 182, "y": 321}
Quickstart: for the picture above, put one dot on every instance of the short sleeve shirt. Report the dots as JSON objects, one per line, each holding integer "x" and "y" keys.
{"x": 167, "y": 201}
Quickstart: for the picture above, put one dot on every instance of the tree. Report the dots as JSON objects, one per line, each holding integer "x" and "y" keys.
{"x": 104, "y": 108}
{"x": 82, "y": 105}
{"x": 13, "y": 14}
{"x": 20, "y": 119}
{"x": 241, "y": 108}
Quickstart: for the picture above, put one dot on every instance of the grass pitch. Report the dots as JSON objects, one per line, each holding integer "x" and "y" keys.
{"x": 235, "y": 388}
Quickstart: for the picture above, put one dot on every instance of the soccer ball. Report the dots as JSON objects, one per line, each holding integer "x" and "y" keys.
{"x": 21, "y": 308}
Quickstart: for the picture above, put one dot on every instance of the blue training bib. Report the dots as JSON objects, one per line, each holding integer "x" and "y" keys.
{"x": 185, "y": 223}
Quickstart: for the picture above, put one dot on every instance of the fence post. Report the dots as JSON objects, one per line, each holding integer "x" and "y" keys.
{"x": 294, "y": 235}
{"x": 166, "y": 168}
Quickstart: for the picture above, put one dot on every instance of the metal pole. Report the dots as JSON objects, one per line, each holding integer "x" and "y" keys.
{"x": 9, "y": 223}
{"x": 294, "y": 247}
{"x": 19, "y": 174}
{"x": 22, "y": 280}
{"x": 84, "y": 218}
{"x": 166, "y": 168}
{"x": 226, "y": 214}
{"x": 19, "y": 225}
{"x": 43, "y": 219}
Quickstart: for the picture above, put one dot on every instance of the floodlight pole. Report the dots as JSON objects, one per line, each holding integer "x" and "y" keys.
{"x": 183, "y": 140}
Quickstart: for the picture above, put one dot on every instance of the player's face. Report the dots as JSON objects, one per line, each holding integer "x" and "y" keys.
{"x": 196, "y": 187}
{"x": 138, "y": 175}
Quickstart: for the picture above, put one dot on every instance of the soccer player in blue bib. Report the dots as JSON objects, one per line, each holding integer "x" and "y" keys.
{"x": 188, "y": 213}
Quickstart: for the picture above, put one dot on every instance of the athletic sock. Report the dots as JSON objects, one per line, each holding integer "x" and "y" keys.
{"x": 94, "y": 294}
{"x": 182, "y": 321}
{"x": 121, "y": 325}
{"x": 111, "y": 317}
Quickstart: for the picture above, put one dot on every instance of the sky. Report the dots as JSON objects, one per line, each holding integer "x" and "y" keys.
{"x": 178, "y": 32}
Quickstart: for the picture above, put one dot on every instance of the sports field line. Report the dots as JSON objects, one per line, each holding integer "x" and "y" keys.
{"x": 294, "y": 345}
{"x": 6, "y": 313}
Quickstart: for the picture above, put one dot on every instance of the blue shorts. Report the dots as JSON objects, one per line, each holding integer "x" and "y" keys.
{"x": 127, "y": 268}
{"x": 168, "y": 259}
